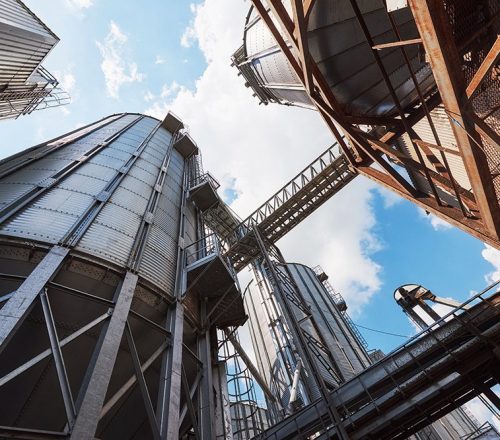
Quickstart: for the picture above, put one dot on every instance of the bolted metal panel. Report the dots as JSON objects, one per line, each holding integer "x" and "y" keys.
{"x": 161, "y": 248}
{"x": 111, "y": 234}
{"x": 343, "y": 55}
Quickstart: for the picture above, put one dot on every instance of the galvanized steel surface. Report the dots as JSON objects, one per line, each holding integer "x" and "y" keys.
{"x": 24, "y": 43}
{"x": 344, "y": 56}
{"x": 110, "y": 236}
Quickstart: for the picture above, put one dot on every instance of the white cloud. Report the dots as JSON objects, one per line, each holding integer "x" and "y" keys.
{"x": 160, "y": 60}
{"x": 148, "y": 96}
{"x": 190, "y": 34}
{"x": 117, "y": 68}
{"x": 492, "y": 256}
{"x": 265, "y": 146}
{"x": 169, "y": 90}
{"x": 67, "y": 82}
{"x": 436, "y": 223}
{"x": 80, "y": 4}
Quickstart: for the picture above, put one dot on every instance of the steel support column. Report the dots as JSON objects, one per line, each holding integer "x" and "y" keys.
{"x": 169, "y": 395}
{"x": 94, "y": 392}
{"x": 434, "y": 27}
{"x": 206, "y": 397}
{"x": 18, "y": 306}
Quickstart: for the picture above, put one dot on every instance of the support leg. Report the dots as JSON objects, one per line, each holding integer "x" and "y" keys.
{"x": 93, "y": 396}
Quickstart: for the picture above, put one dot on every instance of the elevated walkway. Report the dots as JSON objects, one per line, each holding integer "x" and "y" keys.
{"x": 443, "y": 367}
{"x": 289, "y": 206}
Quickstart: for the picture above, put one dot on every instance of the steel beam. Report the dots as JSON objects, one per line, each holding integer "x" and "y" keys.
{"x": 55, "y": 346}
{"x": 94, "y": 391}
{"x": 485, "y": 67}
{"x": 142, "y": 383}
{"x": 13, "y": 313}
{"x": 46, "y": 353}
{"x": 434, "y": 27}
{"x": 130, "y": 383}
{"x": 169, "y": 395}
{"x": 206, "y": 396}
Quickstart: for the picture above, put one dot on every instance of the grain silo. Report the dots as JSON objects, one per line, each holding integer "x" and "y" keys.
{"x": 111, "y": 289}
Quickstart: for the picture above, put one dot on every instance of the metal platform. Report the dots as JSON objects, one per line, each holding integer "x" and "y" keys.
{"x": 210, "y": 278}
{"x": 203, "y": 192}
{"x": 172, "y": 123}
{"x": 441, "y": 368}
{"x": 186, "y": 145}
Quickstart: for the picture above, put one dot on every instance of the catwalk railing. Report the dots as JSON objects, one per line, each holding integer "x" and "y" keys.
{"x": 294, "y": 202}
{"x": 443, "y": 367}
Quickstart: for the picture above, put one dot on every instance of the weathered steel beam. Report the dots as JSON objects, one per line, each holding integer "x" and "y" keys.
{"x": 485, "y": 67}
{"x": 434, "y": 27}
{"x": 304, "y": 56}
{"x": 397, "y": 44}
{"x": 18, "y": 306}
{"x": 91, "y": 399}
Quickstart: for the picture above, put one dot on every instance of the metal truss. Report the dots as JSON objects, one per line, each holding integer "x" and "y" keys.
{"x": 475, "y": 211}
{"x": 434, "y": 373}
{"x": 294, "y": 202}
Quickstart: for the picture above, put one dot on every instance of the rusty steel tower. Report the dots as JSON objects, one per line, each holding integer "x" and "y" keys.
{"x": 412, "y": 85}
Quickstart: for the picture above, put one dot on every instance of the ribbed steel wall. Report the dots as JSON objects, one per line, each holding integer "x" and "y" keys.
{"x": 110, "y": 237}
{"x": 25, "y": 41}
{"x": 110, "y": 195}
{"x": 338, "y": 46}
{"x": 345, "y": 349}
{"x": 274, "y": 346}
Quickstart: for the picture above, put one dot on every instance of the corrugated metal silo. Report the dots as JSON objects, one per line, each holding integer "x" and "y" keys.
{"x": 344, "y": 56}
{"x": 25, "y": 42}
{"x": 95, "y": 227}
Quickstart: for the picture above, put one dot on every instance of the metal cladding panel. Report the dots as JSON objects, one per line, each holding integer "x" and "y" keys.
{"x": 86, "y": 131}
{"x": 62, "y": 148}
{"x": 15, "y": 13}
{"x": 11, "y": 191}
{"x": 344, "y": 348}
{"x": 84, "y": 183}
{"x": 144, "y": 171}
{"x": 338, "y": 45}
{"x": 49, "y": 217}
{"x": 135, "y": 186}
{"x": 38, "y": 224}
{"x": 159, "y": 259}
{"x": 130, "y": 200}
{"x": 107, "y": 243}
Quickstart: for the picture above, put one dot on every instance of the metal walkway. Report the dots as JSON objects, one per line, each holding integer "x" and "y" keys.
{"x": 443, "y": 367}
{"x": 301, "y": 196}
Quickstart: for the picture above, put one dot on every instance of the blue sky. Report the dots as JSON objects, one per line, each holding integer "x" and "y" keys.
{"x": 115, "y": 57}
